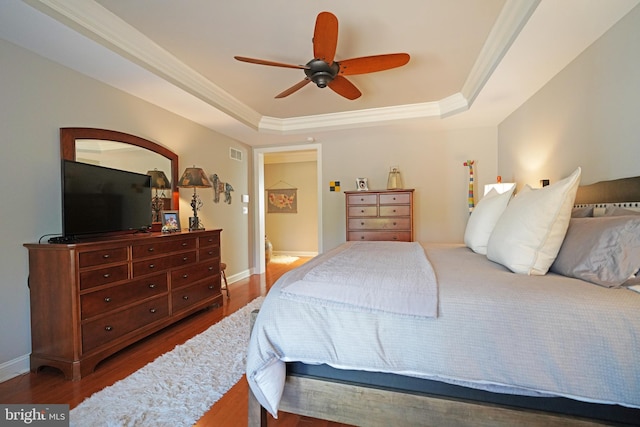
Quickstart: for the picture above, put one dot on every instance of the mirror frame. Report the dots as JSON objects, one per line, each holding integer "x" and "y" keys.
{"x": 68, "y": 137}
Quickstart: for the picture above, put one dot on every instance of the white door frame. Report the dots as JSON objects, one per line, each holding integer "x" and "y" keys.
{"x": 258, "y": 207}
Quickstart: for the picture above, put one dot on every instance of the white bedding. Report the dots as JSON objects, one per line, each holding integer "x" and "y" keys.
{"x": 550, "y": 334}
{"x": 385, "y": 277}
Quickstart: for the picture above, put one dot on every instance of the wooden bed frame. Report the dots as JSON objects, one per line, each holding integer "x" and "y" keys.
{"x": 362, "y": 405}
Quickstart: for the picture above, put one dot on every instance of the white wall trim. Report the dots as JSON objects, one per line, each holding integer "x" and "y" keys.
{"x": 259, "y": 189}
{"x": 14, "y": 367}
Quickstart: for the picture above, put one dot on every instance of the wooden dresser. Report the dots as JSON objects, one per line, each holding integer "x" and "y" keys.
{"x": 91, "y": 299}
{"x": 380, "y": 215}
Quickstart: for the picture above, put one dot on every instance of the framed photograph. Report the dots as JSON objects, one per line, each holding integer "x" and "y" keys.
{"x": 170, "y": 221}
{"x": 361, "y": 184}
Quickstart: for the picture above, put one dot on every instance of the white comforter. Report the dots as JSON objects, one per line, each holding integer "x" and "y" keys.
{"x": 496, "y": 330}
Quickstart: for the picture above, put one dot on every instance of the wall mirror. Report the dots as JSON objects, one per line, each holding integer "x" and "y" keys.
{"x": 123, "y": 151}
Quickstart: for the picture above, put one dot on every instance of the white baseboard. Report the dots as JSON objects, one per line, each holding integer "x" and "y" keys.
{"x": 14, "y": 367}
{"x": 295, "y": 253}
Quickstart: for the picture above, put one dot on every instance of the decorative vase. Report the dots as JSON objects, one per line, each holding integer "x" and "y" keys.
{"x": 268, "y": 250}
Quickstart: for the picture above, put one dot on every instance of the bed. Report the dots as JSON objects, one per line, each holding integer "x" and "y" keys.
{"x": 554, "y": 346}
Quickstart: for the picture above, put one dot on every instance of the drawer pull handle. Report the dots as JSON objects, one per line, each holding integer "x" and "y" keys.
{"x": 152, "y": 310}
{"x": 361, "y": 222}
{"x": 210, "y": 252}
{"x": 106, "y": 275}
{"x": 361, "y": 210}
{"x": 152, "y": 266}
{"x": 394, "y": 211}
{"x": 210, "y": 240}
{"x": 105, "y": 256}
{"x": 185, "y": 259}
{"x": 107, "y": 299}
{"x": 211, "y": 286}
{"x": 151, "y": 249}
{"x": 211, "y": 268}
{"x": 184, "y": 243}
{"x": 361, "y": 237}
{"x": 152, "y": 285}
{"x": 395, "y": 237}
{"x": 394, "y": 224}
{"x": 184, "y": 276}
{"x": 108, "y": 328}
{"x": 362, "y": 199}
{"x": 394, "y": 198}
{"x": 186, "y": 297}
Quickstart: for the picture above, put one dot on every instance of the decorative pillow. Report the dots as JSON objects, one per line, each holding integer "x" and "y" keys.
{"x": 528, "y": 235}
{"x": 484, "y": 218}
{"x": 604, "y": 250}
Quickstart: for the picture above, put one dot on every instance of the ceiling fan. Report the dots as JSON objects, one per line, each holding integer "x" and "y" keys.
{"x": 324, "y": 71}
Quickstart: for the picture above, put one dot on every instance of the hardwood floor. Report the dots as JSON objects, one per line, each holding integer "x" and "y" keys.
{"x": 49, "y": 386}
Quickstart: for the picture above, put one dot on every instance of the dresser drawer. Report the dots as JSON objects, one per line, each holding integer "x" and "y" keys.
{"x": 160, "y": 247}
{"x": 400, "y": 210}
{"x": 380, "y": 224}
{"x": 108, "y": 328}
{"x": 363, "y": 211}
{"x": 188, "y": 296}
{"x": 103, "y": 276}
{"x": 103, "y": 256}
{"x": 210, "y": 253}
{"x": 362, "y": 199}
{"x": 154, "y": 265}
{"x": 105, "y": 300}
{"x": 397, "y": 236}
{"x": 211, "y": 239}
{"x": 189, "y": 275}
{"x": 393, "y": 198}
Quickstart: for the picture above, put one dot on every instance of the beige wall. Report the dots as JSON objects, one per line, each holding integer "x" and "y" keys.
{"x": 294, "y": 234}
{"x": 39, "y": 97}
{"x": 431, "y": 163}
{"x": 588, "y": 115}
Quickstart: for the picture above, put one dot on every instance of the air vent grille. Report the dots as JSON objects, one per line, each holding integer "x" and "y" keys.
{"x": 235, "y": 154}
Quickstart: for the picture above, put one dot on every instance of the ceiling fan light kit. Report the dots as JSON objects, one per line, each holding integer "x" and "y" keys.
{"x": 324, "y": 71}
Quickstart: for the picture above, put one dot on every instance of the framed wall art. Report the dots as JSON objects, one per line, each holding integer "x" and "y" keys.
{"x": 284, "y": 200}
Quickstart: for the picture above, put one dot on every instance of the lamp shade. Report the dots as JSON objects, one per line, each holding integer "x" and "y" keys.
{"x": 158, "y": 179}
{"x": 500, "y": 187}
{"x": 194, "y": 178}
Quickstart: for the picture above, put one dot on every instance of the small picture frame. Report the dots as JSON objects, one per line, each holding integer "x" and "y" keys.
{"x": 170, "y": 221}
{"x": 361, "y": 184}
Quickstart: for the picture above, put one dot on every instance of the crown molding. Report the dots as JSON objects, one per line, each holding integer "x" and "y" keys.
{"x": 99, "y": 24}
{"x": 374, "y": 116}
{"x": 513, "y": 17}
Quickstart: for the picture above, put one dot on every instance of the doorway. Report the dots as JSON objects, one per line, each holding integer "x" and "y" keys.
{"x": 259, "y": 155}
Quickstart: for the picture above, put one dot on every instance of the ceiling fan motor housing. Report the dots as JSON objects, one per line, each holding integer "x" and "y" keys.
{"x": 320, "y": 72}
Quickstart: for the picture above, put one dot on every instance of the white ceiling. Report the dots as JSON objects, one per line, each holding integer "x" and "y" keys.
{"x": 472, "y": 61}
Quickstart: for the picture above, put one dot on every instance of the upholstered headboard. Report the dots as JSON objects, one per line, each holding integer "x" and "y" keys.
{"x": 623, "y": 192}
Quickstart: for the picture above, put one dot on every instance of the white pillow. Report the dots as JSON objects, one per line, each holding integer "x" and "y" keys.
{"x": 484, "y": 218}
{"x": 529, "y": 233}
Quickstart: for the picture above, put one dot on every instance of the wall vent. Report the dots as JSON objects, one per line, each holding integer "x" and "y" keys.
{"x": 235, "y": 154}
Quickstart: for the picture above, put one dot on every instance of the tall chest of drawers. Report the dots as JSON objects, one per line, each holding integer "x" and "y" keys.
{"x": 380, "y": 215}
{"x": 91, "y": 299}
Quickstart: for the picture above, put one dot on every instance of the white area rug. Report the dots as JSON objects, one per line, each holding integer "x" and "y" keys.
{"x": 178, "y": 387}
{"x": 283, "y": 259}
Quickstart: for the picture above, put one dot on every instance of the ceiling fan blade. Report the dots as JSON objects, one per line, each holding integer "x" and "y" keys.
{"x": 294, "y": 88}
{"x": 344, "y": 87}
{"x": 371, "y": 64}
{"x": 271, "y": 63}
{"x": 325, "y": 37}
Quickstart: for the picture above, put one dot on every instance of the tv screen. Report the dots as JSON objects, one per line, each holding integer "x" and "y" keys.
{"x": 98, "y": 200}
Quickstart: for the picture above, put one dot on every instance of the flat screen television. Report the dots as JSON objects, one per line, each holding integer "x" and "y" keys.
{"x": 98, "y": 200}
